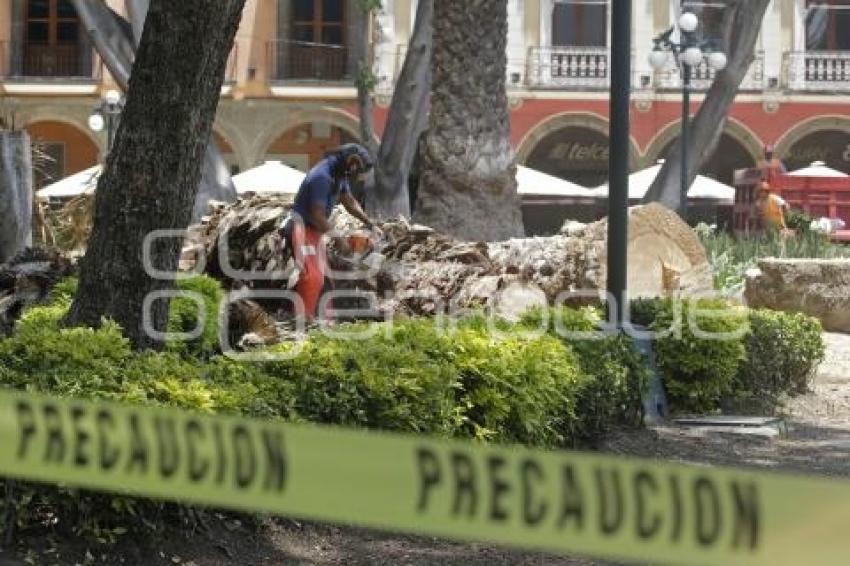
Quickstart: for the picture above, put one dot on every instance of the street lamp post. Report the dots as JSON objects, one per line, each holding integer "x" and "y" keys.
{"x": 106, "y": 114}
{"x": 688, "y": 53}
{"x": 618, "y": 191}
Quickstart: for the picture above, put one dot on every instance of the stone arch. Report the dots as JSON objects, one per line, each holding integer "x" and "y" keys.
{"x": 735, "y": 129}
{"x": 235, "y": 140}
{"x": 69, "y": 149}
{"x": 290, "y": 120}
{"x": 571, "y": 145}
{"x": 817, "y": 124}
{"x": 69, "y": 119}
{"x": 555, "y": 122}
{"x": 743, "y": 149}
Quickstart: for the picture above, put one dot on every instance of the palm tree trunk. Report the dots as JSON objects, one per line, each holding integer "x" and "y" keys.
{"x": 152, "y": 174}
{"x": 743, "y": 23}
{"x": 468, "y": 187}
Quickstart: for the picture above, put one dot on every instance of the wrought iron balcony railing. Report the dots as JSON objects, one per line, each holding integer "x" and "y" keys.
{"x": 301, "y": 60}
{"x": 33, "y": 61}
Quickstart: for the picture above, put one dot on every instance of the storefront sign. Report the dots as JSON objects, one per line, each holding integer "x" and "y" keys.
{"x": 580, "y": 152}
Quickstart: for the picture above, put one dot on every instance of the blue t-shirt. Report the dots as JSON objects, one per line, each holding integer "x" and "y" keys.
{"x": 319, "y": 187}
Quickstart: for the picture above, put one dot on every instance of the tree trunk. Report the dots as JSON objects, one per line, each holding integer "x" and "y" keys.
{"x": 366, "y": 79}
{"x": 367, "y": 109}
{"x": 468, "y": 186}
{"x": 743, "y": 23}
{"x": 15, "y": 193}
{"x": 405, "y": 123}
{"x": 152, "y": 174}
{"x": 116, "y": 40}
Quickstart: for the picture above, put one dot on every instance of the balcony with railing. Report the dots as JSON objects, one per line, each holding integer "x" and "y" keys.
{"x": 53, "y": 63}
{"x": 581, "y": 68}
{"x": 703, "y": 75}
{"x": 818, "y": 71}
{"x": 307, "y": 61}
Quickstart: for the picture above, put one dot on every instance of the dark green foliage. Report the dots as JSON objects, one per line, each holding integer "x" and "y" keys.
{"x": 184, "y": 314}
{"x": 617, "y": 372}
{"x": 98, "y": 364}
{"x": 783, "y": 350}
{"x": 799, "y": 221}
{"x": 775, "y": 357}
{"x": 700, "y": 357}
{"x": 554, "y": 388}
{"x": 402, "y": 381}
{"x": 64, "y": 290}
{"x": 515, "y": 389}
{"x": 644, "y": 312}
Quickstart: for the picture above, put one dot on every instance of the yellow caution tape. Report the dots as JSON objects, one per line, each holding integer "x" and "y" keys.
{"x": 558, "y": 501}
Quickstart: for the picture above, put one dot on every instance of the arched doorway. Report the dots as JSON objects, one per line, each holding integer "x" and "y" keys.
{"x": 575, "y": 153}
{"x": 65, "y": 150}
{"x": 303, "y": 146}
{"x": 729, "y": 156}
{"x": 831, "y": 146}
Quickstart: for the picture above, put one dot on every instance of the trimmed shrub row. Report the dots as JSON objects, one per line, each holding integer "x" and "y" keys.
{"x": 530, "y": 383}
{"x": 766, "y": 356}
{"x": 413, "y": 377}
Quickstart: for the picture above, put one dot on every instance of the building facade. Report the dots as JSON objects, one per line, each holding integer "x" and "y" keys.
{"x": 289, "y": 91}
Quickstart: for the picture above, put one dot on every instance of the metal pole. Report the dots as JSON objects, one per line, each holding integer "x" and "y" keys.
{"x": 618, "y": 164}
{"x": 686, "y": 127}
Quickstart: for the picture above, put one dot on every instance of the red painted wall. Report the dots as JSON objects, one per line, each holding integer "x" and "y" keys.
{"x": 768, "y": 128}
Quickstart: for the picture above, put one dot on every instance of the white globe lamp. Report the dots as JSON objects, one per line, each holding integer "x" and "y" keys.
{"x": 717, "y": 60}
{"x": 658, "y": 59}
{"x": 96, "y": 122}
{"x": 689, "y": 22}
{"x": 692, "y": 56}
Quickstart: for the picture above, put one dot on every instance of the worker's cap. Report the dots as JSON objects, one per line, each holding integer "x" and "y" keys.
{"x": 356, "y": 158}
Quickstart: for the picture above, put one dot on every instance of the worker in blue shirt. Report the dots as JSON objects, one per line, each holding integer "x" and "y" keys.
{"x": 326, "y": 185}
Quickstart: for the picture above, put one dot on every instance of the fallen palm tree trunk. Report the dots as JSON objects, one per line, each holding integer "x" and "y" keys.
{"x": 417, "y": 271}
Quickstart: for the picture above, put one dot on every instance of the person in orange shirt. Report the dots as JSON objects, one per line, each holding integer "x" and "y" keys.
{"x": 771, "y": 208}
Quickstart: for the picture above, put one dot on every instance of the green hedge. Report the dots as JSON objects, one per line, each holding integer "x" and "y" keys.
{"x": 543, "y": 388}
{"x": 775, "y": 356}
{"x": 783, "y": 351}
{"x": 699, "y": 369}
{"x": 620, "y": 373}
{"x": 415, "y": 377}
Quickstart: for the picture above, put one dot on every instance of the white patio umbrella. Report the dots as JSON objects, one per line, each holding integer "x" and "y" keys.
{"x": 531, "y": 182}
{"x": 818, "y": 169}
{"x": 702, "y": 187}
{"x": 75, "y": 185}
{"x": 270, "y": 177}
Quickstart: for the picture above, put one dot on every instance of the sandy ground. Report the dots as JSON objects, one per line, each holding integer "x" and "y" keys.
{"x": 817, "y": 442}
